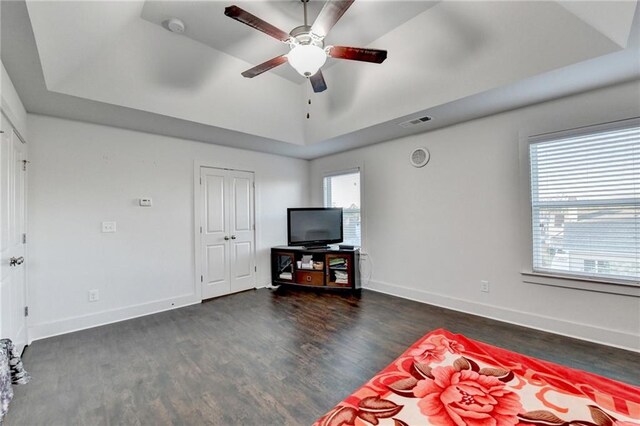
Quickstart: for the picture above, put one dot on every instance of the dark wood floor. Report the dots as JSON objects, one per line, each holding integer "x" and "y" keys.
{"x": 256, "y": 358}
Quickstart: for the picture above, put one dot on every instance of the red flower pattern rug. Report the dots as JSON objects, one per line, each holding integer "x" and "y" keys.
{"x": 450, "y": 380}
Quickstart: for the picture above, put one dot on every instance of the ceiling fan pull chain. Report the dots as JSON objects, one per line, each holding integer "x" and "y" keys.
{"x": 309, "y": 101}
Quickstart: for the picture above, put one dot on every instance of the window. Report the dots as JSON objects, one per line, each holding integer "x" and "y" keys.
{"x": 343, "y": 190}
{"x": 585, "y": 202}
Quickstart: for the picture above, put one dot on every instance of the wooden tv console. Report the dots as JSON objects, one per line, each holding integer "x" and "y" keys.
{"x": 329, "y": 268}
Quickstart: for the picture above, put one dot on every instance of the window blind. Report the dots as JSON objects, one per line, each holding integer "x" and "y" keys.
{"x": 585, "y": 202}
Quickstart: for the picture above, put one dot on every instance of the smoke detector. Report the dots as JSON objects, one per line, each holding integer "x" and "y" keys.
{"x": 175, "y": 25}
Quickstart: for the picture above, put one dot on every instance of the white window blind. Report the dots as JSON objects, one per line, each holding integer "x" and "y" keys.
{"x": 585, "y": 202}
{"x": 343, "y": 190}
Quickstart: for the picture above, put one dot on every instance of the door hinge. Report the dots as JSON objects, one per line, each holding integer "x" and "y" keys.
{"x": 255, "y": 268}
{"x": 201, "y": 229}
{"x": 200, "y": 181}
{"x": 24, "y": 238}
{"x": 26, "y": 311}
{"x": 24, "y": 165}
{"x": 201, "y": 278}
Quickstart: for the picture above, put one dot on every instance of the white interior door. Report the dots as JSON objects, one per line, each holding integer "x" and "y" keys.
{"x": 12, "y": 230}
{"x": 241, "y": 220}
{"x": 227, "y": 241}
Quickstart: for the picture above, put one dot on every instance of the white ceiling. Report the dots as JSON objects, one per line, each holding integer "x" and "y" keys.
{"x": 365, "y": 22}
{"x": 113, "y": 62}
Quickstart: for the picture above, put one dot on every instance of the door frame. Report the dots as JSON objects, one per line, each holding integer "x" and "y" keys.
{"x": 197, "y": 211}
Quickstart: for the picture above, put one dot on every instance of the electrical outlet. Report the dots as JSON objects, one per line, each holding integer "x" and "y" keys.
{"x": 108, "y": 227}
{"x": 484, "y": 286}
{"x": 94, "y": 295}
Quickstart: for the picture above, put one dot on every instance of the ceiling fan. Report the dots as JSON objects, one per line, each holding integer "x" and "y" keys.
{"x": 308, "y": 52}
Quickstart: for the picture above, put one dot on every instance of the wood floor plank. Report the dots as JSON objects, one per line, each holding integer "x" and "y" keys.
{"x": 262, "y": 357}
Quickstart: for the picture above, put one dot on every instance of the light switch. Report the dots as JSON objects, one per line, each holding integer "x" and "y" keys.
{"x": 108, "y": 227}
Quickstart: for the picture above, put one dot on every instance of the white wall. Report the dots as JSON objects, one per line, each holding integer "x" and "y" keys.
{"x": 82, "y": 174}
{"x": 11, "y": 104}
{"x": 432, "y": 234}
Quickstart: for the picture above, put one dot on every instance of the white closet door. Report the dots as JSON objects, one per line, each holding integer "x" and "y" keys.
{"x": 227, "y": 241}
{"x": 242, "y": 262}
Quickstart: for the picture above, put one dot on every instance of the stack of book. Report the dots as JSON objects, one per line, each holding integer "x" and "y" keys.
{"x": 286, "y": 275}
{"x": 338, "y": 262}
{"x": 341, "y": 277}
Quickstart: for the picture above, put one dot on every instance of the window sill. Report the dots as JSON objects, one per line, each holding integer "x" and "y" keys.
{"x": 587, "y": 284}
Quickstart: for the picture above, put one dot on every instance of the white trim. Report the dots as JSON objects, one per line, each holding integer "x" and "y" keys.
{"x": 6, "y": 111}
{"x": 345, "y": 171}
{"x": 341, "y": 172}
{"x": 628, "y": 288}
{"x": 584, "y": 130}
{"x": 197, "y": 188}
{"x": 83, "y": 322}
{"x": 600, "y": 335}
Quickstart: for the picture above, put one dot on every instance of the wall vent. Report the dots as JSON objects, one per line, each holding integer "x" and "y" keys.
{"x": 419, "y": 157}
{"x": 415, "y": 121}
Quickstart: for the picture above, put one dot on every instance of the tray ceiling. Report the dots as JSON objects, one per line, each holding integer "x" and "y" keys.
{"x": 116, "y": 58}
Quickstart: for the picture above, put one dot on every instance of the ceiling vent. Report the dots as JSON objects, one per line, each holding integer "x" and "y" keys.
{"x": 415, "y": 121}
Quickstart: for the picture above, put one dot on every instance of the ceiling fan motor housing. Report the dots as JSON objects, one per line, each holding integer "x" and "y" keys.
{"x": 302, "y": 35}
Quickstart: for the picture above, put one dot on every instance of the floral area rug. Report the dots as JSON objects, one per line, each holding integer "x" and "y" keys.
{"x": 448, "y": 379}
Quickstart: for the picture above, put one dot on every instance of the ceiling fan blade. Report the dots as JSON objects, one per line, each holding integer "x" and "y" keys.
{"x": 265, "y": 66}
{"x": 358, "y": 54}
{"x": 253, "y": 21}
{"x": 331, "y": 12}
{"x": 317, "y": 82}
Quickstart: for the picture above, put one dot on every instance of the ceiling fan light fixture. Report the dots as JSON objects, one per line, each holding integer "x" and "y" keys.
{"x": 307, "y": 59}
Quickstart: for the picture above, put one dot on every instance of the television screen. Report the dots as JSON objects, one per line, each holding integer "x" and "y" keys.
{"x": 314, "y": 226}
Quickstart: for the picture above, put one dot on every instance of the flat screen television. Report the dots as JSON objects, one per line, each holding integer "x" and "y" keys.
{"x": 314, "y": 226}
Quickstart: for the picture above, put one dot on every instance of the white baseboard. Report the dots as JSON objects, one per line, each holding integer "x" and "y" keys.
{"x": 68, "y": 325}
{"x": 580, "y": 331}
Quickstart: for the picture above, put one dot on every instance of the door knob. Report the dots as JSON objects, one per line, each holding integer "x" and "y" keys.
{"x": 233, "y": 237}
{"x": 14, "y": 261}
{"x": 226, "y": 238}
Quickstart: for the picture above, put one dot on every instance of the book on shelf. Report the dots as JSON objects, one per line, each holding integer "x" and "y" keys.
{"x": 337, "y": 262}
{"x": 341, "y": 278}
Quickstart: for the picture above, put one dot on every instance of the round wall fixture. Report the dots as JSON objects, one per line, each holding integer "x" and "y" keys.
{"x": 175, "y": 25}
{"x": 419, "y": 157}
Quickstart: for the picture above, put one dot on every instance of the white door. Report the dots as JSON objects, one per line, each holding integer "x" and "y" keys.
{"x": 12, "y": 229}
{"x": 227, "y": 241}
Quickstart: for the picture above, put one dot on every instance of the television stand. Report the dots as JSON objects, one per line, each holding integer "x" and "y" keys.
{"x": 329, "y": 268}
